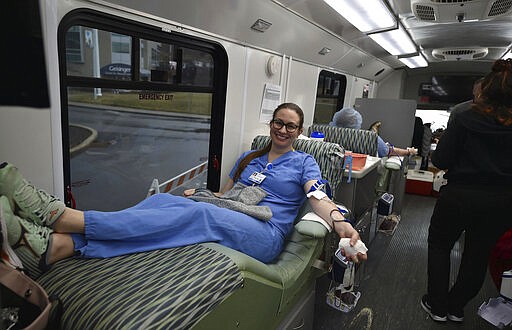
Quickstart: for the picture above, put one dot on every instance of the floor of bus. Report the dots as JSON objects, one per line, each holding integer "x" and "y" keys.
{"x": 394, "y": 279}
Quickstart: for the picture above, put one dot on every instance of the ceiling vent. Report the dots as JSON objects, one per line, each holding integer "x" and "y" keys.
{"x": 460, "y": 54}
{"x": 446, "y": 11}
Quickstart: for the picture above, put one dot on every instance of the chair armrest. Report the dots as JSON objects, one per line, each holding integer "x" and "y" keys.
{"x": 311, "y": 228}
{"x": 307, "y": 225}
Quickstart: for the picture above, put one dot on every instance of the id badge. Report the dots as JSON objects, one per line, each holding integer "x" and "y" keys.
{"x": 257, "y": 177}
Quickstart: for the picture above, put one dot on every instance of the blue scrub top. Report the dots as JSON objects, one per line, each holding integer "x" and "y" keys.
{"x": 284, "y": 184}
{"x": 382, "y": 147}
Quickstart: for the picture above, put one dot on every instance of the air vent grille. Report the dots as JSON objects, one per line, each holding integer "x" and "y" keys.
{"x": 479, "y": 55}
{"x": 457, "y": 54}
{"x": 425, "y": 13}
{"x": 453, "y": 11}
{"x": 500, "y": 7}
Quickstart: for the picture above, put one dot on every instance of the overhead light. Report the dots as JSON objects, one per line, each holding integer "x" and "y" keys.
{"x": 507, "y": 56}
{"x": 375, "y": 18}
{"x": 396, "y": 42}
{"x": 414, "y": 61}
{"x": 261, "y": 25}
{"x": 324, "y": 51}
{"x": 367, "y": 16}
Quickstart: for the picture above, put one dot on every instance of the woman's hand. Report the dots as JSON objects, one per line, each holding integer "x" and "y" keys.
{"x": 345, "y": 229}
{"x": 189, "y": 192}
{"x": 412, "y": 151}
{"x": 327, "y": 210}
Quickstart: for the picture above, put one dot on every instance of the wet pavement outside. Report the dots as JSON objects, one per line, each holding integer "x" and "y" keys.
{"x": 80, "y": 137}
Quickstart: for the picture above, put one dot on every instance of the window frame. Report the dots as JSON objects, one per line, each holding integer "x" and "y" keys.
{"x": 137, "y": 31}
{"x": 80, "y": 52}
{"x": 342, "y": 88}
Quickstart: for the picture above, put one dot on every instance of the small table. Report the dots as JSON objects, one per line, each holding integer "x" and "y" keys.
{"x": 359, "y": 195}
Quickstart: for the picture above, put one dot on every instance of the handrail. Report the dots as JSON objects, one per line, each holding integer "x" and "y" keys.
{"x": 177, "y": 181}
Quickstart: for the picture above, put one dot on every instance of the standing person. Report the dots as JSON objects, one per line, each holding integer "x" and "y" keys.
{"x": 417, "y": 135}
{"x": 351, "y": 118}
{"x": 43, "y": 231}
{"x": 426, "y": 145}
{"x": 475, "y": 152}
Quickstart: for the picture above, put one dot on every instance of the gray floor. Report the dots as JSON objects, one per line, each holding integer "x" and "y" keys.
{"x": 394, "y": 278}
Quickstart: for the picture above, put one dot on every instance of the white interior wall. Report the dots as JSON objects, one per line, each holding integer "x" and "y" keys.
{"x": 256, "y": 80}
{"x": 355, "y": 87}
{"x": 390, "y": 87}
{"x": 235, "y": 107}
{"x": 246, "y": 82}
{"x": 302, "y": 87}
{"x": 26, "y": 142}
{"x": 298, "y": 85}
{"x": 27, "y": 133}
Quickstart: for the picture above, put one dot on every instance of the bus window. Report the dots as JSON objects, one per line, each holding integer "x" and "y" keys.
{"x": 137, "y": 109}
{"x": 163, "y": 62}
{"x": 330, "y": 96}
{"x": 98, "y": 54}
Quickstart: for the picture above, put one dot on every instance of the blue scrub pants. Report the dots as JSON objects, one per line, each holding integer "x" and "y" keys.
{"x": 165, "y": 221}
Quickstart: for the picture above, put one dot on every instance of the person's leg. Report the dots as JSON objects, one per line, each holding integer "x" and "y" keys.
{"x": 445, "y": 228}
{"x": 31, "y": 242}
{"x": 71, "y": 221}
{"x": 473, "y": 268}
{"x": 60, "y": 247}
{"x": 486, "y": 224}
{"x": 161, "y": 221}
{"x": 166, "y": 221}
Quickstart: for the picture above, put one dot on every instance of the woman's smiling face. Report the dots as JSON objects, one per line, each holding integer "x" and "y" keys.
{"x": 284, "y": 128}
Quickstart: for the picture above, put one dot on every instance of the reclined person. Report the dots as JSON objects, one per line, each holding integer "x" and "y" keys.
{"x": 42, "y": 230}
{"x": 351, "y": 118}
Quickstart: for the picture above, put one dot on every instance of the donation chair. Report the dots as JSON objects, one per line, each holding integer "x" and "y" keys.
{"x": 202, "y": 286}
{"x": 363, "y": 142}
{"x": 356, "y": 140}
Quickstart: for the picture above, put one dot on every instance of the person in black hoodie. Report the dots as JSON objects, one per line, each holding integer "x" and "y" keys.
{"x": 475, "y": 153}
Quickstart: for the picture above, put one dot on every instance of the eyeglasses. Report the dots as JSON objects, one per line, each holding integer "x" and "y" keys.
{"x": 278, "y": 124}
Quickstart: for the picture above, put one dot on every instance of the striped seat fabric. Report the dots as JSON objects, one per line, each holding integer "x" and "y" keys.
{"x": 162, "y": 289}
{"x": 356, "y": 140}
{"x": 329, "y": 156}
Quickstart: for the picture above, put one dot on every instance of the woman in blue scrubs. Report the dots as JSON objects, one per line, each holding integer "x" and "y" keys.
{"x": 165, "y": 221}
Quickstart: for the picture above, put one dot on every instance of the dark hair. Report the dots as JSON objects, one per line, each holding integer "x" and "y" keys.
{"x": 495, "y": 97}
{"x": 247, "y": 159}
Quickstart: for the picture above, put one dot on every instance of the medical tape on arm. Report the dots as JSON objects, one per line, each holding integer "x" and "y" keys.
{"x": 319, "y": 190}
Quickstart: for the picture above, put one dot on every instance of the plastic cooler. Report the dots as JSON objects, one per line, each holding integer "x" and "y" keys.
{"x": 439, "y": 181}
{"x": 419, "y": 182}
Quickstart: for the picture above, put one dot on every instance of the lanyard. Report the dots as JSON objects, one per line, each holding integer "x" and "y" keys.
{"x": 257, "y": 177}
{"x": 347, "y": 163}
